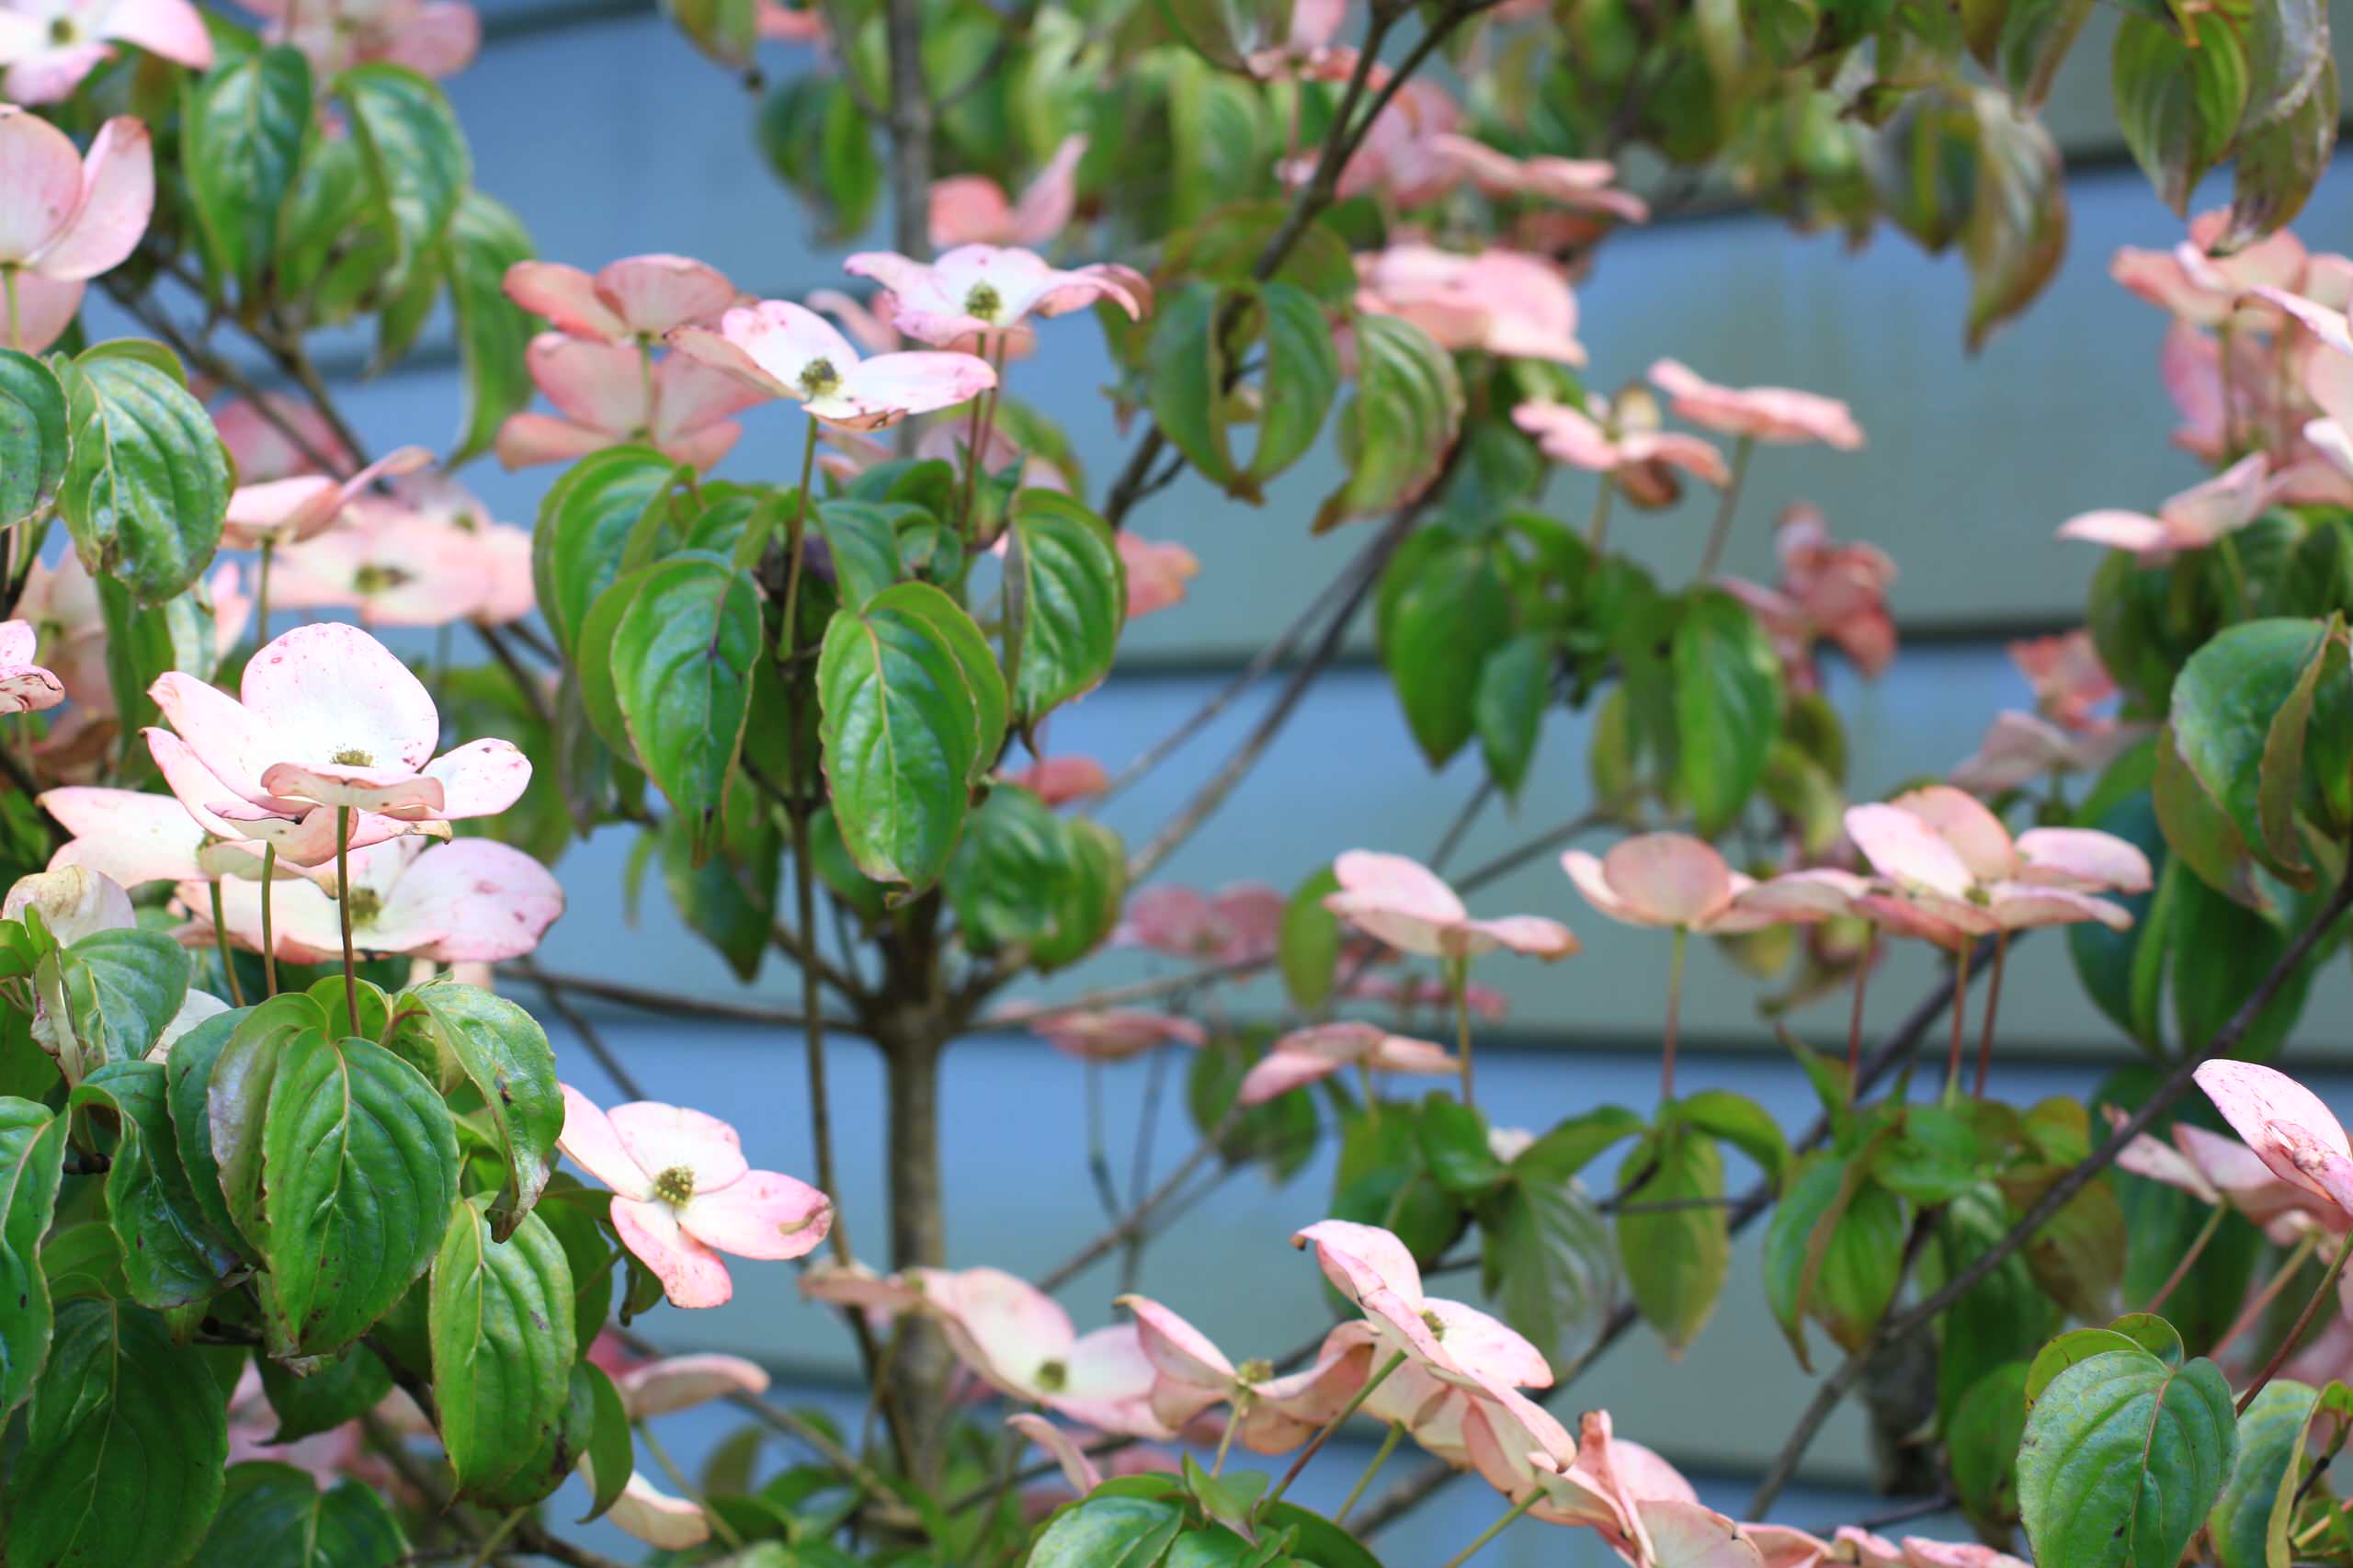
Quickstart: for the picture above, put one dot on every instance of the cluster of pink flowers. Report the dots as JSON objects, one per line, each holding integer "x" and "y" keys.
{"x": 436, "y": 37}
{"x": 2066, "y": 732}
{"x": 1830, "y": 593}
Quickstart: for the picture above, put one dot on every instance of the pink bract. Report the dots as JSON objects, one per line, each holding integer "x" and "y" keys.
{"x": 1114, "y": 1034}
{"x": 2192, "y": 520}
{"x": 787, "y": 350}
{"x": 1502, "y": 301}
{"x": 604, "y": 395}
{"x": 1306, "y": 1055}
{"x": 1060, "y": 780}
{"x": 64, "y": 218}
{"x": 1571, "y": 436}
{"x": 1270, "y": 1415}
{"x": 286, "y": 511}
{"x": 1670, "y": 880}
{"x": 1958, "y": 868}
{"x": 683, "y": 1193}
{"x": 1454, "y": 1343}
{"x": 48, "y": 46}
{"x": 25, "y": 687}
{"x": 638, "y": 298}
{"x": 1404, "y": 905}
{"x": 2286, "y": 1126}
{"x": 471, "y": 900}
{"x": 1158, "y": 572}
{"x": 1763, "y": 413}
{"x": 972, "y": 209}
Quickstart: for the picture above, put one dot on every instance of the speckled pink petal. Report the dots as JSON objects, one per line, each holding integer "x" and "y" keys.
{"x": 1902, "y": 847}
{"x": 117, "y": 195}
{"x": 2286, "y": 1126}
{"x": 1362, "y": 1259}
{"x": 889, "y": 387}
{"x": 336, "y": 696}
{"x": 1008, "y": 1327}
{"x": 691, "y": 1274}
{"x": 655, "y": 293}
{"x": 1531, "y": 935}
{"x": 1963, "y": 820}
{"x": 1485, "y": 1348}
{"x": 2083, "y": 858}
{"x": 126, "y": 835}
{"x": 527, "y": 439}
{"x": 1174, "y": 1348}
{"x": 1671, "y": 878}
{"x": 646, "y": 1513}
{"x": 2019, "y": 906}
{"x": 662, "y": 1137}
{"x": 1687, "y": 1535}
{"x": 471, "y": 900}
{"x": 480, "y": 778}
{"x": 1060, "y": 1447}
{"x": 763, "y": 1214}
{"x": 682, "y": 1382}
{"x": 603, "y": 386}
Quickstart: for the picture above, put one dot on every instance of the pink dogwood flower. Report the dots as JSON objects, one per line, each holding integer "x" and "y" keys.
{"x": 1060, "y": 780}
{"x": 1957, "y": 864}
{"x": 638, "y": 300}
{"x": 2021, "y": 747}
{"x": 974, "y": 292}
{"x": 1454, "y": 1343}
{"x": 683, "y": 1193}
{"x": 1401, "y": 155}
{"x": 1500, "y": 301}
{"x": 468, "y": 901}
{"x": 1571, "y": 436}
{"x": 1240, "y": 924}
{"x": 2202, "y": 289}
{"x": 434, "y": 38}
{"x": 65, "y": 219}
{"x": 2214, "y": 1169}
{"x": 2068, "y": 678}
{"x": 967, "y": 210}
{"x": 134, "y": 837}
{"x": 329, "y": 717}
{"x": 48, "y": 46}
{"x": 257, "y": 434}
{"x": 1830, "y": 592}
{"x": 1016, "y": 1338}
{"x": 25, "y": 687}
{"x": 787, "y": 350}
{"x": 1115, "y": 1034}
{"x": 605, "y": 396}
{"x": 2290, "y": 1129}
{"x": 2194, "y": 519}
{"x": 240, "y": 829}
{"x": 1159, "y": 572}
{"x": 387, "y": 563}
{"x": 1580, "y": 184}
{"x": 1307, "y": 1055}
{"x": 1763, "y": 413}
{"x": 1670, "y": 880}
{"x": 285, "y": 511}
{"x": 1404, "y": 905}
{"x": 1271, "y": 1415}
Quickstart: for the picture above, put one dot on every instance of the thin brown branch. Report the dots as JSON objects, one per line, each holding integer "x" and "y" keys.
{"x": 1897, "y": 1325}
{"x": 1141, "y": 1215}
{"x": 620, "y": 1076}
{"x": 650, "y": 1001}
{"x": 909, "y": 122}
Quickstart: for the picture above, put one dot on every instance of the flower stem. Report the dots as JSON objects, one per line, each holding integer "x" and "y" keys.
{"x": 2304, "y": 1322}
{"x": 1225, "y": 1443}
{"x": 788, "y": 644}
{"x": 269, "y": 941}
{"x": 1495, "y": 1530}
{"x": 1993, "y": 1006}
{"x": 343, "y": 907}
{"x": 1960, "y": 1019}
{"x": 1371, "y": 1093}
{"x": 1324, "y": 1433}
{"x": 490, "y": 1542}
{"x": 2253, "y": 1313}
{"x": 1379, "y": 1457}
{"x": 1458, "y": 981}
{"x": 1721, "y": 533}
{"x": 220, "y": 939}
{"x": 261, "y": 594}
{"x": 719, "y": 1527}
{"x": 1596, "y": 531}
{"x": 2197, "y": 1246}
{"x": 1674, "y": 1014}
{"x": 1855, "y": 1017}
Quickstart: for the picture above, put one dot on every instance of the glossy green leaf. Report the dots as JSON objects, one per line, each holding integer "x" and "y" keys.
{"x": 1508, "y": 707}
{"x": 146, "y": 487}
{"x": 682, "y": 673}
{"x": 585, "y": 519}
{"x": 1027, "y": 877}
{"x": 232, "y": 1103}
{"x": 120, "y": 989}
{"x": 359, "y": 1171}
{"x": 502, "y": 1347}
{"x": 1066, "y": 600}
{"x": 2180, "y": 88}
{"x": 862, "y": 538}
{"x": 33, "y": 427}
{"x": 1676, "y": 1257}
{"x": 1108, "y": 1532}
{"x": 1403, "y": 420}
{"x": 275, "y": 1514}
{"x": 172, "y": 1254}
{"x": 504, "y": 1053}
{"x": 1832, "y": 1252}
{"x": 1728, "y": 705}
{"x": 125, "y": 1441}
{"x": 242, "y": 126}
{"x": 2199, "y": 831}
{"x": 33, "y": 1164}
{"x": 1545, "y": 1257}
{"x": 1307, "y": 946}
{"x": 2249, "y": 1519}
{"x": 2123, "y": 1455}
{"x": 1443, "y": 611}
{"x": 902, "y": 729}
{"x": 1981, "y": 1446}
{"x": 2290, "y": 126}
{"x": 612, "y": 1452}
{"x": 2240, "y": 710}
{"x": 486, "y": 239}
{"x": 413, "y": 152}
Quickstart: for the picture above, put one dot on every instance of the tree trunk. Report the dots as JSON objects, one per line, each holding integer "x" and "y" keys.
{"x": 920, "y": 1364}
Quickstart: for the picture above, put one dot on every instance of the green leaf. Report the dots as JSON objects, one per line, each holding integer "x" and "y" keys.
{"x": 1676, "y": 1257}
{"x": 863, "y": 538}
{"x": 1514, "y": 688}
{"x": 1741, "y": 1123}
{"x": 1227, "y": 32}
{"x": 502, "y": 1347}
{"x": 1727, "y": 707}
{"x": 2290, "y": 126}
{"x": 2249, "y": 1520}
{"x": 413, "y": 152}
{"x": 1453, "y": 1138}
{"x": 1832, "y": 1252}
{"x": 1403, "y": 420}
{"x": 1981, "y": 1446}
{"x": 1444, "y": 610}
{"x": 232, "y": 1103}
{"x": 1307, "y": 947}
{"x": 2016, "y": 229}
{"x": 125, "y": 1441}
{"x": 32, "y": 1164}
{"x": 2240, "y": 710}
{"x": 1026, "y": 877}
{"x": 506, "y": 1056}
{"x": 992, "y": 697}
{"x": 2178, "y": 98}
{"x": 1066, "y": 600}
{"x": 1108, "y": 1532}
{"x": 33, "y": 425}
{"x": 559, "y": 1452}
{"x": 729, "y": 899}
{"x": 242, "y": 126}
{"x": 486, "y": 239}
{"x": 2199, "y": 831}
{"x": 2035, "y": 38}
{"x": 1186, "y": 378}
{"x": 682, "y": 672}
{"x": 724, "y": 29}
{"x": 902, "y": 729}
{"x": 171, "y": 1254}
{"x": 2122, "y": 1456}
{"x": 584, "y": 519}
{"x": 146, "y": 487}
{"x": 1188, "y": 366}
{"x": 2222, "y": 953}
{"x": 324, "y": 1397}
{"x": 1544, "y": 1252}
{"x": 360, "y": 1169}
{"x": 2000, "y": 1319}
{"x": 275, "y": 1515}
{"x": 121, "y": 988}
{"x": 612, "y": 1452}
{"x": 2122, "y": 971}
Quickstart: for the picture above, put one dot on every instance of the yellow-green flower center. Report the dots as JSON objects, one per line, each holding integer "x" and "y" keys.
{"x": 1256, "y": 1371}
{"x": 374, "y": 579}
{"x": 674, "y": 1186}
{"x": 1436, "y": 1325}
{"x": 818, "y": 377}
{"x": 983, "y": 301}
{"x": 366, "y": 904}
{"x": 1052, "y": 1376}
{"x": 352, "y": 756}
